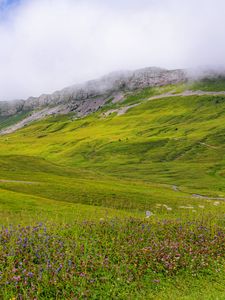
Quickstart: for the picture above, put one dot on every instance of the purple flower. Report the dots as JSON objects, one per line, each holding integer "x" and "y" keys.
{"x": 16, "y": 278}
{"x": 156, "y": 281}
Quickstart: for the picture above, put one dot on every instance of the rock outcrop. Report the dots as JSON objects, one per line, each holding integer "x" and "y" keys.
{"x": 10, "y": 108}
{"x": 90, "y": 96}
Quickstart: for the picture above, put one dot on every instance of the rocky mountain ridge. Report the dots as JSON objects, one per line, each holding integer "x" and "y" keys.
{"x": 88, "y": 97}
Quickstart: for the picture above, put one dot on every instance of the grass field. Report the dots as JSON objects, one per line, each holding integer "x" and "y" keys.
{"x": 76, "y": 191}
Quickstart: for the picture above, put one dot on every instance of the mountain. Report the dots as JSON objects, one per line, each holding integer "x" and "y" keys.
{"x": 155, "y": 141}
{"x": 130, "y": 193}
{"x": 171, "y": 133}
{"x": 153, "y": 125}
{"x": 88, "y": 97}
{"x": 83, "y": 99}
{"x": 78, "y": 97}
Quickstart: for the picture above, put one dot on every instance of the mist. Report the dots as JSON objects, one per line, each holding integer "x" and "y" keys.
{"x": 46, "y": 45}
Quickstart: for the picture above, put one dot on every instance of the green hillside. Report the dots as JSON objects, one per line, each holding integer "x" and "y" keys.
{"x": 163, "y": 155}
{"x": 11, "y": 120}
{"x": 172, "y": 141}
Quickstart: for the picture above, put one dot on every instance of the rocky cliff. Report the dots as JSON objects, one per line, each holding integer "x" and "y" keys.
{"x": 90, "y": 96}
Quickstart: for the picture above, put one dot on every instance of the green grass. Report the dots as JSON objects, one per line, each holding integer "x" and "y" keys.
{"x": 112, "y": 259}
{"x": 11, "y": 120}
{"x": 210, "y": 84}
{"x": 176, "y": 140}
{"x": 155, "y": 157}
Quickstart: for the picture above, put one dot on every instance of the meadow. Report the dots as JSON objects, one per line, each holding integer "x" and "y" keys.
{"x": 117, "y": 207}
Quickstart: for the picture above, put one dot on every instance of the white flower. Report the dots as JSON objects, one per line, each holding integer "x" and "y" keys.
{"x": 201, "y": 206}
{"x": 216, "y": 203}
{"x": 148, "y": 214}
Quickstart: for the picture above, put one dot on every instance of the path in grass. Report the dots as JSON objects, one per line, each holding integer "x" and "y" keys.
{"x": 122, "y": 110}
{"x": 39, "y": 115}
{"x": 187, "y": 93}
{"x": 17, "y": 181}
{"x": 177, "y": 189}
{"x": 174, "y": 187}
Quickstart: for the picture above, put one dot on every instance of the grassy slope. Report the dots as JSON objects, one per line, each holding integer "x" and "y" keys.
{"x": 181, "y": 137}
{"x": 160, "y": 143}
{"x": 209, "y": 84}
{"x": 11, "y": 120}
{"x": 99, "y": 167}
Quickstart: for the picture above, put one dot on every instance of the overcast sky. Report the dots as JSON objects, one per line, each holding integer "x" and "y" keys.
{"x": 46, "y": 45}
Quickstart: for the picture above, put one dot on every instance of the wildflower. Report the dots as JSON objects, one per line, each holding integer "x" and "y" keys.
{"x": 16, "y": 278}
{"x": 59, "y": 269}
{"x": 148, "y": 214}
{"x": 70, "y": 263}
{"x": 156, "y": 281}
{"x": 92, "y": 280}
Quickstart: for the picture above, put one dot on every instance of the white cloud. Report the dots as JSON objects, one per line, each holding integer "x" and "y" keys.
{"x": 46, "y": 45}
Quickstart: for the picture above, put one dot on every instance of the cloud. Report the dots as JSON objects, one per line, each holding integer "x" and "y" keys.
{"x": 46, "y": 45}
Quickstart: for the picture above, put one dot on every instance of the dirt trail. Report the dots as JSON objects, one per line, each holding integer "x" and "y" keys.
{"x": 120, "y": 111}
{"x": 209, "y": 146}
{"x": 177, "y": 189}
{"x": 187, "y": 93}
{"x": 17, "y": 181}
{"x": 206, "y": 197}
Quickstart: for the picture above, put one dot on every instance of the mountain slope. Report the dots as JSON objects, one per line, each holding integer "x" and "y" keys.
{"x": 87, "y": 98}
{"x": 115, "y": 90}
{"x": 156, "y": 141}
{"x": 97, "y": 90}
{"x": 131, "y": 198}
{"x": 171, "y": 146}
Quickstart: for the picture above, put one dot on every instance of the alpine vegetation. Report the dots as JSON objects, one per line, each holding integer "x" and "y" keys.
{"x": 112, "y": 186}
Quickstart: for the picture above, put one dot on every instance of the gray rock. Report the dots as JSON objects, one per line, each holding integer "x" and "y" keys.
{"x": 9, "y": 108}
{"x": 88, "y": 97}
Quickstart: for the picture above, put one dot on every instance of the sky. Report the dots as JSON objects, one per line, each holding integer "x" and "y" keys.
{"x": 46, "y": 45}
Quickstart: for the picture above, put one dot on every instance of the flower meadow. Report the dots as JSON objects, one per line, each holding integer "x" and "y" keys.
{"x": 108, "y": 259}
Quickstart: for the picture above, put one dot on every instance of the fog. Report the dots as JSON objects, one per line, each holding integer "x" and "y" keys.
{"x": 46, "y": 45}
